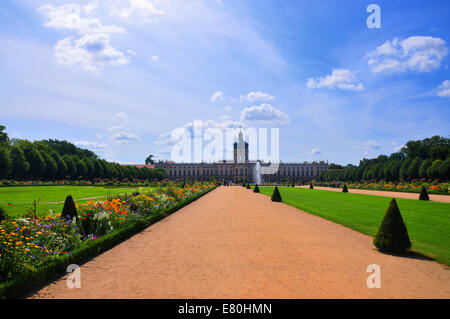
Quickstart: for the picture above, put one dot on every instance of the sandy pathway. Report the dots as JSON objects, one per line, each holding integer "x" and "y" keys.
{"x": 233, "y": 243}
{"x": 433, "y": 197}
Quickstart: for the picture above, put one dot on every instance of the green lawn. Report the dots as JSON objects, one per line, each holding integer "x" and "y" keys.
{"x": 428, "y": 223}
{"x": 22, "y": 197}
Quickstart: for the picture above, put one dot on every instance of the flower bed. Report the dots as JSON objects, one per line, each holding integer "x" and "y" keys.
{"x": 410, "y": 187}
{"x": 35, "y": 250}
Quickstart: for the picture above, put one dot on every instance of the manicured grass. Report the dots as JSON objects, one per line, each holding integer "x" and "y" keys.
{"x": 428, "y": 223}
{"x": 22, "y": 197}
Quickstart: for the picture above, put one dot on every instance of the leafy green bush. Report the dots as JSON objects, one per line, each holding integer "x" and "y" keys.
{"x": 69, "y": 210}
{"x": 256, "y": 189}
{"x": 392, "y": 236}
{"x": 424, "y": 194}
{"x": 276, "y": 196}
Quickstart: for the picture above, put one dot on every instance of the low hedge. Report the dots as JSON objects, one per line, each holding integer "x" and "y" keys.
{"x": 25, "y": 284}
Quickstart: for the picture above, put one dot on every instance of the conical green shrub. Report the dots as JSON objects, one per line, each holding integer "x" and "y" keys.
{"x": 311, "y": 186}
{"x": 292, "y": 184}
{"x": 276, "y": 196}
{"x": 69, "y": 209}
{"x": 248, "y": 186}
{"x": 392, "y": 236}
{"x": 4, "y": 214}
{"x": 424, "y": 194}
{"x": 345, "y": 189}
{"x": 256, "y": 189}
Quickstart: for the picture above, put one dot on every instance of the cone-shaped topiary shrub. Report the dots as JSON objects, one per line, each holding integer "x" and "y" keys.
{"x": 392, "y": 236}
{"x": 424, "y": 194}
{"x": 293, "y": 184}
{"x": 256, "y": 189}
{"x": 248, "y": 186}
{"x": 69, "y": 209}
{"x": 4, "y": 214}
{"x": 276, "y": 196}
{"x": 345, "y": 189}
{"x": 311, "y": 186}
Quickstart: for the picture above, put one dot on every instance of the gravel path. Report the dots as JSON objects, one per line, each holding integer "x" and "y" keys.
{"x": 233, "y": 243}
{"x": 433, "y": 197}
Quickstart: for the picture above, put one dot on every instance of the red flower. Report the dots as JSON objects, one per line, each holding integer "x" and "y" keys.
{"x": 9, "y": 203}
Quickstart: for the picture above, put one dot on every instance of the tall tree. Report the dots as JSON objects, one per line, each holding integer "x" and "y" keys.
{"x": 71, "y": 167}
{"x": 404, "y": 169}
{"x": 413, "y": 169}
{"x": 37, "y": 162}
{"x": 423, "y": 168}
{"x": 90, "y": 167}
{"x": 51, "y": 167}
{"x": 82, "y": 169}
{"x": 395, "y": 170}
{"x": 20, "y": 166}
{"x": 150, "y": 160}
{"x": 62, "y": 166}
{"x": 435, "y": 168}
{"x": 4, "y": 139}
{"x": 5, "y": 163}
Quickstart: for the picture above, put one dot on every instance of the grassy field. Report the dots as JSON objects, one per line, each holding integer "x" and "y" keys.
{"x": 428, "y": 223}
{"x": 51, "y": 197}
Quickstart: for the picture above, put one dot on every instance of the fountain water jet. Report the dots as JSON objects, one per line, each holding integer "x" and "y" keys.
{"x": 258, "y": 179}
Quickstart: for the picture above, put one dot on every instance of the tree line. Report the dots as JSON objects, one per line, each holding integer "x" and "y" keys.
{"x": 423, "y": 159}
{"x": 55, "y": 160}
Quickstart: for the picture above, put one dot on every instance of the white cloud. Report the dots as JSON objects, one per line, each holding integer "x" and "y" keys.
{"x": 368, "y": 145}
{"x": 396, "y": 146}
{"x": 167, "y": 142}
{"x": 115, "y": 128}
{"x": 121, "y": 116}
{"x": 222, "y": 125}
{"x": 416, "y": 53}
{"x": 217, "y": 96}
{"x": 90, "y": 145}
{"x": 257, "y": 96}
{"x": 340, "y": 78}
{"x": 92, "y": 52}
{"x": 228, "y": 108}
{"x": 90, "y": 8}
{"x": 264, "y": 113}
{"x": 69, "y": 17}
{"x": 315, "y": 151}
{"x": 144, "y": 9}
{"x": 125, "y": 137}
{"x": 155, "y": 57}
{"x": 445, "y": 89}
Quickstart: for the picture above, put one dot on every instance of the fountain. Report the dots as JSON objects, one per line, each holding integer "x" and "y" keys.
{"x": 258, "y": 179}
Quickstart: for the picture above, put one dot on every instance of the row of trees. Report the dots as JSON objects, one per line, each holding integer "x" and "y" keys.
{"x": 428, "y": 159}
{"x": 54, "y": 160}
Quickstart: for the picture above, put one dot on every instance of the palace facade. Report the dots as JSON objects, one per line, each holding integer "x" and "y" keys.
{"x": 241, "y": 169}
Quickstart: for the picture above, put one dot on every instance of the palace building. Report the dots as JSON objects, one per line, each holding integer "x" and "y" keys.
{"x": 241, "y": 169}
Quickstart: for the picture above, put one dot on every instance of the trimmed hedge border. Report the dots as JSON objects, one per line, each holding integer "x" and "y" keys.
{"x": 23, "y": 285}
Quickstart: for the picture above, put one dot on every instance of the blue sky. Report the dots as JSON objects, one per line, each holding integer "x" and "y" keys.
{"x": 118, "y": 76}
